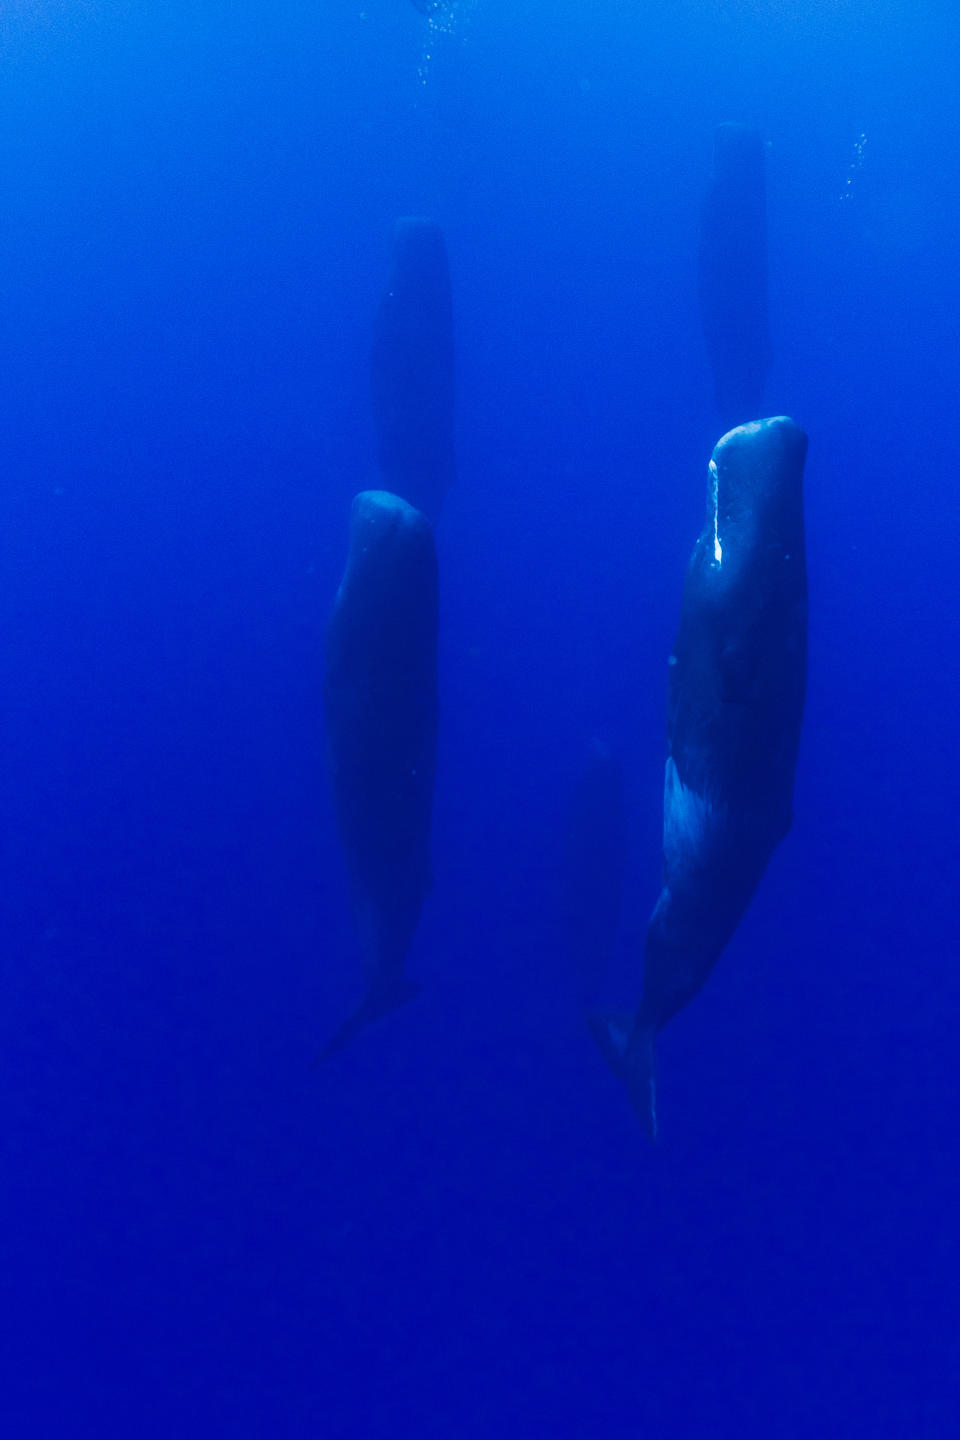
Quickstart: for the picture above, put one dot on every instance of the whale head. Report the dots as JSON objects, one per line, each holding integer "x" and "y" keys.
{"x": 755, "y": 486}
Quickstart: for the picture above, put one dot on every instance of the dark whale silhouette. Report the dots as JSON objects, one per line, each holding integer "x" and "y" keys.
{"x": 737, "y": 680}
{"x": 411, "y": 373}
{"x": 733, "y": 275}
{"x": 380, "y": 698}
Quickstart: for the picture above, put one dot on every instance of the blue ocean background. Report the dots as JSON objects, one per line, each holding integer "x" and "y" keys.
{"x": 458, "y": 1227}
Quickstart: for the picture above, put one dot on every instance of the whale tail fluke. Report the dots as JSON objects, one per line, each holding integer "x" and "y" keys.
{"x": 380, "y": 1001}
{"x": 628, "y": 1049}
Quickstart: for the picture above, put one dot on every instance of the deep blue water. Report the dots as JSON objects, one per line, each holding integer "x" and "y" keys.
{"x": 458, "y": 1228}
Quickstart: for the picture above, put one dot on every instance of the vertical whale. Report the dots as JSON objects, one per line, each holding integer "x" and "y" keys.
{"x": 733, "y": 275}
{"x": 412, "y": 369}
{"x": 736, "y": 688}
{"x": 380, "y": 701}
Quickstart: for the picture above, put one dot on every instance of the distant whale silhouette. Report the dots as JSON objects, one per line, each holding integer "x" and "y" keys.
{"x": 380, "y": 698}
{"x": 411, "y": 369}
{"x": 737, "y": 680}
{"x": 733, "y": 274}
{"x": 430, "y": 7}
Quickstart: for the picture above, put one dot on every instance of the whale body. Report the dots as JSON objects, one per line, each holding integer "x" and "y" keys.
{"x": 380, "y": 701}
{"x": 736, "y": 687}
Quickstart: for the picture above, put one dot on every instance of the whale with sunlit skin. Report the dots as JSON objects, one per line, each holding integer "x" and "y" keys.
{"x": 736, "y": 687}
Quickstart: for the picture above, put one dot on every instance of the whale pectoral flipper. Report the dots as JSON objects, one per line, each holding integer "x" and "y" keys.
{"x": 380, "y": 1001}
{"x": 629, "y": 1051}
